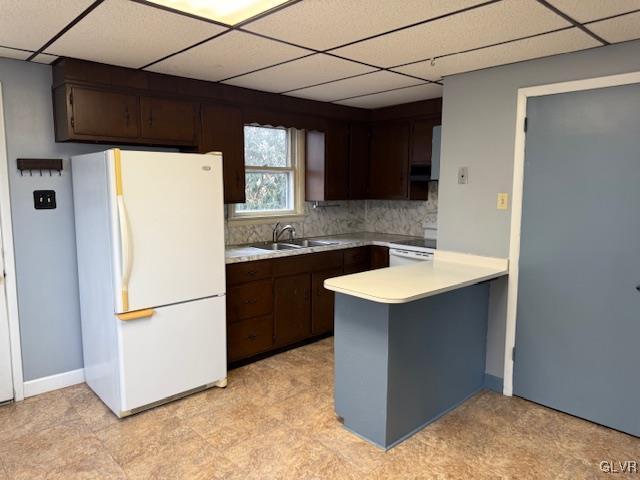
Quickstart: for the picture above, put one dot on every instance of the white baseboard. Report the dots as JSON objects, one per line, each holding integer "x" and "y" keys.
{"x": 53, "y": 382}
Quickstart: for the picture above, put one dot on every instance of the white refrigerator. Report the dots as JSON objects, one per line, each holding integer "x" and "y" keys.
{"x": 150, "y": 246}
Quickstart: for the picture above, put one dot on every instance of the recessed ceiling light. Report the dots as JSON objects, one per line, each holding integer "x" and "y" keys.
{"x": 229, "y": 12}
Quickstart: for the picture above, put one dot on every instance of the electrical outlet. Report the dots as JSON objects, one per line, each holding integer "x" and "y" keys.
{"x": 503, "y": 201}
{"x": 463, "y": 175}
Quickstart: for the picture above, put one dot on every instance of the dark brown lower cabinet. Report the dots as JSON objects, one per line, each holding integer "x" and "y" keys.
{"x": 322, "y": 302}
{"x": 292, "y": 315}
{"x": 249, "y": 337}
{"x": 280, "y": 302}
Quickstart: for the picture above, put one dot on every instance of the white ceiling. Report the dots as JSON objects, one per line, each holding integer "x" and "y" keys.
{"x": 540, "y": 46}
{"x": 300, "y": 73}
{"x": 380, "y": 51}
{"x": 323, "y": 24}
{"x": 395, "y": 97}
{"x": 229, "y": 55}
{"x": 588, "y": 10}
{"x": 378, "y": 81}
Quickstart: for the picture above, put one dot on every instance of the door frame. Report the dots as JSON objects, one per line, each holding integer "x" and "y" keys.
{"x": 517, "y": 196}
{"x": 10, "y": 286}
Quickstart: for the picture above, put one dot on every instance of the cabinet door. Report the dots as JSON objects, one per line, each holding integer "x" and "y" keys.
{"x": 337, "y": 162}
{"x": 223, "y": 131}
{"x": 168, "y": 121}
{"x": 389, "y": 165}
{"x": 104, "y": 114}
{"x": 322, "y": 302}
{"x": 292, "y": 308}
{"x": 421, "y": 133}
{"x": 379, "y": 257}
{"x": 358, "y": 161}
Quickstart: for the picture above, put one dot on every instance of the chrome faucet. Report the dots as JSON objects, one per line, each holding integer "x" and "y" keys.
{"x": 278, "y": 232}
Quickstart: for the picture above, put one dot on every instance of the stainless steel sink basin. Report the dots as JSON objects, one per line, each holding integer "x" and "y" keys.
{"x": 311, "y": 243}
{"x": 276, "y": 246}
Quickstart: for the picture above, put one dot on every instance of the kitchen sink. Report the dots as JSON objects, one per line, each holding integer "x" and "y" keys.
{"x": 311, "y": 243}
{"x": 276, "y": 246}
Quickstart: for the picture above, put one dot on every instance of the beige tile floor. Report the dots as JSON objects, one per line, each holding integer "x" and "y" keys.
{"x": 275, "y": 420}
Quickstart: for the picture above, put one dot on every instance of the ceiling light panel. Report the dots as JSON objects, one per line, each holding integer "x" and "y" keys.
{"x": 226, "y": 56}
{"x": 619, "y": 29}
{"x": 396, "y": 97}
{"x": 29, "y": 24}
{"x": 360, "y": 85}
{"x": 229, "y": 12}
{"x": 535, "y": 47}
{"x": 324, "y": 24}
{"x": 588, "y": 10}
{"x": 121, "y": 32}
{"x": 300, "y": 73}
{"x": 494, "y": 23}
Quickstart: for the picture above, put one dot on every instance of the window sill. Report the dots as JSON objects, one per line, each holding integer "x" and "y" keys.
{"x": 266, "y": 219}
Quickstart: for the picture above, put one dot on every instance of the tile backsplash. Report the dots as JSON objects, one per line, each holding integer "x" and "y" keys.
{"x": 417, "y": 218}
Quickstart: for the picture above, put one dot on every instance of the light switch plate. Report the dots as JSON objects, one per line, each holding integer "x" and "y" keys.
{"x": 463, "y": 175}
{"x": 503, "y": 201}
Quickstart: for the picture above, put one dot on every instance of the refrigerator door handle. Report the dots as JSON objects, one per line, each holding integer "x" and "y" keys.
{"x": 127, "y": 259}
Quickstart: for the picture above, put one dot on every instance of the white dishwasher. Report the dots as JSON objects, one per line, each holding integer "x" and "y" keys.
{"x": 411, "y": 251}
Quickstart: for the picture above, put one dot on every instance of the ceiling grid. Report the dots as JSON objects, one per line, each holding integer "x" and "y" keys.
{"x": 350, "y": 52}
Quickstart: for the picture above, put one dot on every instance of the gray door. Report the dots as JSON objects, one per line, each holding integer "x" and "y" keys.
{"x": 578, "y": 324}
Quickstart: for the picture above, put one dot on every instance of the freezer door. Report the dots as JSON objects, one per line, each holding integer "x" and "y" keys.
{"x": 175, "y": 349}
{"x": 168, "y": 228}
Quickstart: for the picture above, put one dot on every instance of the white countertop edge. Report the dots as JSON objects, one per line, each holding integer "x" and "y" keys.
{"x": 493, "y": 268}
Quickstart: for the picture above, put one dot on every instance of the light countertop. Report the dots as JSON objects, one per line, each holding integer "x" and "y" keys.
{"x": 406, "y": 283}
{"x": 245, "y": 253}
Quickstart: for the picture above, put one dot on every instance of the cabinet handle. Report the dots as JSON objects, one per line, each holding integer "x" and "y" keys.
{"x": 250, "y": 302}
{"x": 252, "y": 272}
{"x": 238, "y": 179}
{"x": 151, "y": 117}
{"x": 252, "y": 336}
{"x": 126, "y": 116}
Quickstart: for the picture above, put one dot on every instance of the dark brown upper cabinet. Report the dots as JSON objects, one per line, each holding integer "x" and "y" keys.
{"x": 223, "y": 131}
{"x": 358, "y": 161}
{"x": 169, "y": 120}
{"x": 389, "y": 161}
{"x": 327, "y": 163}
{"x": 86, "y": 113}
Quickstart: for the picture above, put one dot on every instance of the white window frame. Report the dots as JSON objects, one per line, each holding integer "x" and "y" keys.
{"x": 296, "y": 151}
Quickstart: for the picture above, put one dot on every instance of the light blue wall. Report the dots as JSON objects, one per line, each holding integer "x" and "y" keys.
{"x": 44, "y": 239}
{"x": 479, "y": 117}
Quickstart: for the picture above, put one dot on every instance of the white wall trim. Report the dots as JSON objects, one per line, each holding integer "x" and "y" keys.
{"x": 517, "y": 191}
{"x": 53, "y": 382}
{"x": 9, "y": 263}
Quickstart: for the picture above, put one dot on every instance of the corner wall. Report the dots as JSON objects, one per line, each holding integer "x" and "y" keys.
{"x": 479, "y": 117}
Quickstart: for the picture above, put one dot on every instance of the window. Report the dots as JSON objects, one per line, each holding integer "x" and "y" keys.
{"x": 273, "y": 173}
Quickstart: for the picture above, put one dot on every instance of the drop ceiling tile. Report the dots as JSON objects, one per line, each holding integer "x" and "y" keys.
{"x": 588, "y": 10}
{"x": 122, "y": 32}
{"x": 395, "y": 97}
{"x": 360, "y": 85}
{"x": 230, "y": 54}
{"x": 300, "y": 73}
{"x": 619, "y": 29}
{"x": 14, "y": 53}
{"x": 494, "y": 23}
{"x": 29, "y": 24}
{"x": 44, "y": 58}
{"x": 535, "y": 47}
{"x": 323, "y": 24}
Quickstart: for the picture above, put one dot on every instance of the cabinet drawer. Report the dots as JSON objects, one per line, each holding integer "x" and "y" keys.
{"x": 249, "y": 300}
{"x": 356, "y": 256}
{"x": 249, "y": 337}
{"x": 248, "y": 271}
